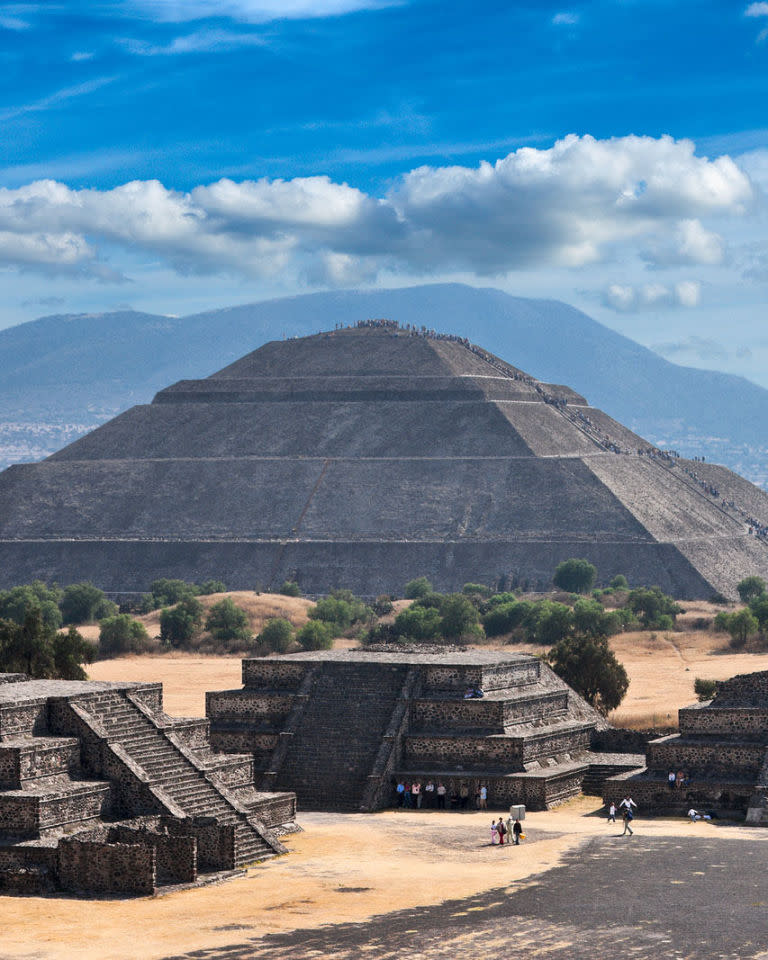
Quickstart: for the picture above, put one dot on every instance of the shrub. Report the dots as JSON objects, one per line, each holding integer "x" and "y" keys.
{"x": 750, "y": 588}
{"x": 122, "y": 634}
{"x": 179, "y": 624}
{"x": 315, "y": 635}
{"x": 500, "y": 619}
{"x": 332, "y": 610}
{"x": 619, "y": 582}
{"x": 415, "y": 589}
{"x": 575, "y": 575}
{"x": 276, "y": 635}
{"x": 167, "y": 593}
{"x": 499, "y": 598}
{"x": 477, "y": 588}
{"x": 704, "y": 689}
{"x": 418, "y": 623}
{"x": 592, "y": 620}
{"x": 655, "y": 609}
{"x": 207, "y": 587}
{"x": 290, "y": 588}
{"x": 226, "y": 621}
{"x": 382, "y": 605}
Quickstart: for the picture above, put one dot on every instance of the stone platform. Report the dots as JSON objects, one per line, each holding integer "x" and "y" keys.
{"x": 102, "y": 792}
{"x": 722, "y": 747}
{"x": 340, "y": 727}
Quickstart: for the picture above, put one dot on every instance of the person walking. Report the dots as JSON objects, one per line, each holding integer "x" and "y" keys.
{"x": 612, "y": 813}
{"x": 628, "y": 818}
{"x": 517, "y": 832}
{"x": 502, "y": 831}
{"x": 494, "y": 833}
{"x": 483, "y": 797}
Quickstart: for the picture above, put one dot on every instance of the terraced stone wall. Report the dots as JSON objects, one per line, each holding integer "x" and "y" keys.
{"x": 735, "y": 721}
{"x": 97, "y": 866}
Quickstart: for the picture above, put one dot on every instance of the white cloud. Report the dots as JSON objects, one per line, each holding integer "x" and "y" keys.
{"x": 55, "y": 98}
{"x": 250, "y": 11}
{"x": 201, "y": 41}
{"x": 757, "y": 10}
{"x": 581, "y": 202}
{"x": 565, "y": 19}
{"x": 79, "y": 55}
{"x": 626, "y": 298}
{"x": 13, "y": 23}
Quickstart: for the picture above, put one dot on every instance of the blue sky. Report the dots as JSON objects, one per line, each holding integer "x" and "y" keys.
{"x": 177, "y": 156}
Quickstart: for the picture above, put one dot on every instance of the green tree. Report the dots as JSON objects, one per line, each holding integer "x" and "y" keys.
{"x": 290, "y": 589}
{"x": 122, "y": 634}
{"x": 742, "y": 625}
{"x": 179, "y": 624}
{"x": 575, "y": 575}
{"x": 207, "y": 587}
{"x": 589, "y": 666}
{"x": 276, "y": 635}
{"x": 166, "y": 592}
{"x": 418, "y": 623}
{"x": 460, "y": 620}
{"x": 619, "y": 582}
{"x": 17, "y": 602}
{"x": 591, "y": 619}
{"x": 27, "y": 647}
{"x": 750, "y": 588}
{"x": 759, "y": 608}
{"x": 555, "y": 621}
{"x": 315, "y": 635}
{"x": 500, "y": 619}
{"x": 332, "y": 610}
{"x": 85, "y": 603}
{"x": 655, "y": 609}
{"x": 70, "y": 651}
{"x": 477, "y": 589}
{"x": 417, "y": 588}
{"x": 226, "y": 621}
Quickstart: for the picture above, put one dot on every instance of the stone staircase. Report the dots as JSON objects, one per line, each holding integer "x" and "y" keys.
{"x": 173, "y": 770}
{"x": 335, "y": 746}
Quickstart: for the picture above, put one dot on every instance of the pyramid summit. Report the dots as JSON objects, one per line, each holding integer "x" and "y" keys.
{"x": 363, "y": 457}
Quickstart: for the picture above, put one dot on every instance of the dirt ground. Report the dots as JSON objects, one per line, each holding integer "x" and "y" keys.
{"x": 344, "y": 869}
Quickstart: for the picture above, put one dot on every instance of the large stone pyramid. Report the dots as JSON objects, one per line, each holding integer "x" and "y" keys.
{"x": 362, "y": 458}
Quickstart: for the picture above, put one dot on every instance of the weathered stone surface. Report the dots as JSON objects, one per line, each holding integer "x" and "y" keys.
{"x": 365, "y": 457}
{"x": 339, "y": 727}
{"x": 83, "y": 758}
{"x": 722, "y": 749}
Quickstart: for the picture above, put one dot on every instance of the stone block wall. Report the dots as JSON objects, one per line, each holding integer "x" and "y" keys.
{"x": 274, "y": 674}
{"x": 98, "y": 866}
{"x": 447, "y": 752}
{"x": 734, "y": 721}
{"x": 457, "y": 715}
{"x": 271, "y": 709}
{"x": 24, "y": 719}
{"x": 721, "y": 758}
{"x": 175, "y": 855}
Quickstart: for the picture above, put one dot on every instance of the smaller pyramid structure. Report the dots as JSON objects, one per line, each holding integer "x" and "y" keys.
{"x": 341, "y": 727}
{"x": 721, "y": 752}
{"x": 363, "y": 457}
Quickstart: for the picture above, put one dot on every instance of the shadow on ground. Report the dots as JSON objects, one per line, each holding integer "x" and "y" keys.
{"x": 614, "y": 897}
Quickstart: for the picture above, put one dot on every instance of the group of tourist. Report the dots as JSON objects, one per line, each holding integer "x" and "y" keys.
{"x": 414, "y": 795}
{"x": 627, "y": 814}
{"x": 510, "y": 831}
{"x": 677, "y": 781}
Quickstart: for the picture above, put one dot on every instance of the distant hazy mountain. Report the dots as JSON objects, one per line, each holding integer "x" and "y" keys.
{"x": 63, "y": 374}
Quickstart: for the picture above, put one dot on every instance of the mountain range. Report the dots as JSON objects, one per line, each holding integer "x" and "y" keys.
{"x": 64, "y": 374}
